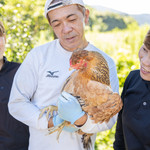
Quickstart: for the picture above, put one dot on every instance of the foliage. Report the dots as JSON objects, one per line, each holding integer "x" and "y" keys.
{"x": 103, "y": 141}
{"x": 27, "y": 27}
{"x": 2, "y": 3}
{"x": 23, "y": 26}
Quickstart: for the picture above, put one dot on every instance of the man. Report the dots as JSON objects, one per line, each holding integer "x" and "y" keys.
{"x": 40, "y": 78}
{"x": 14, "y": 135}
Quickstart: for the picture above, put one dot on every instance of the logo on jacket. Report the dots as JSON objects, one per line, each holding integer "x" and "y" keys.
{"x": 52, "y": 74}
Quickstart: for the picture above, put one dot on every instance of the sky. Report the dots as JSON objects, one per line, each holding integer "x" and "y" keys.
{"x": 127, "y": 6}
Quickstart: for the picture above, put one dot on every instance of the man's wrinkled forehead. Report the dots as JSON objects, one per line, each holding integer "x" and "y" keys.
{"x": 69, "y": 12}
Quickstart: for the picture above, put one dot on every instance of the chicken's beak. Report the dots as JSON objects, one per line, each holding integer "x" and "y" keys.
{"x": 70, "y": 68}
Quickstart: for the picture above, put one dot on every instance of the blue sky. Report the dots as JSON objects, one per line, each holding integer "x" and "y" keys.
{"x": 127, "y": 6}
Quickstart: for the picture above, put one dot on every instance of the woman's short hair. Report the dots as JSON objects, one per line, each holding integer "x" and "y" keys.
{"x": 147, "y": 40}
{"x": 2, "y": 29}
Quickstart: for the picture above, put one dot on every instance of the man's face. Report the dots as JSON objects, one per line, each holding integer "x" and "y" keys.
{"x": 2, "y": 46}
{"x": 68, "y": 24}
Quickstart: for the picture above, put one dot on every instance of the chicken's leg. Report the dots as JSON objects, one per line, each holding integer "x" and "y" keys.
{"x": 58, "y": 128}
{"x": 49, "y": 111}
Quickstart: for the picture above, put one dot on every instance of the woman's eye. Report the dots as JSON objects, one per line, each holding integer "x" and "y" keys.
{"x": 145, "y": 49}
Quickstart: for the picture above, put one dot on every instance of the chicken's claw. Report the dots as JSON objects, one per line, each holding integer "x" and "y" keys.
{"x": 58, "y": 128}
{"x": 48, "y": 110}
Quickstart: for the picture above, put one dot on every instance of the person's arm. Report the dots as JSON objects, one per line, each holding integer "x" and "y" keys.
{"x": 119, "y": 138}
{"x": 114, "y": 82}
{"x": 23, "y": 89}
{"x": 119, "y": 143}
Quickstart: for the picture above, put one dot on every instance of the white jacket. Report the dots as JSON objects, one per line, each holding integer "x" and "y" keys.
{"x": 38, "y": 83}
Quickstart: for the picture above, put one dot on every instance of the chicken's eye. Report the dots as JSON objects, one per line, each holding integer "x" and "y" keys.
{"x": 78, "y": 62}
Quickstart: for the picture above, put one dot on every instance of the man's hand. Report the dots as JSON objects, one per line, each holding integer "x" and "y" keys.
{"x": 69, "y": 108}
{"x": 56, "y": 120}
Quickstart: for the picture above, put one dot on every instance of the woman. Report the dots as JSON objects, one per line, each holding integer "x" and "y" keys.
{"x": 133, "y": 125}
{"x": 14, "y": 135}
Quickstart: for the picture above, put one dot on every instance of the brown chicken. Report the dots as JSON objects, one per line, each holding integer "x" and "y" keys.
{"x": 91, "y": 85}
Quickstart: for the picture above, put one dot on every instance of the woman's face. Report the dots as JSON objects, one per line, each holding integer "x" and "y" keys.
{"x": 2, "y": 46}
{"x": 144, "y": 56}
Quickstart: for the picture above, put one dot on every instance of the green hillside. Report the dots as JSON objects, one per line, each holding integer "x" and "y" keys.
{"x": 103, "y": 21}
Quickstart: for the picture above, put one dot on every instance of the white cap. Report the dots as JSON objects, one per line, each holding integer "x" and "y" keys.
{"x": 49, "y": 6}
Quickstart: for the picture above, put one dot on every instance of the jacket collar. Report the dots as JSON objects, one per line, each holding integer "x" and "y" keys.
{"x": 4, "y": 65}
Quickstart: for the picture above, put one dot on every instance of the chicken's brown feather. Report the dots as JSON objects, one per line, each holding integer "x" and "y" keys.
{"x": 92, "y": 85}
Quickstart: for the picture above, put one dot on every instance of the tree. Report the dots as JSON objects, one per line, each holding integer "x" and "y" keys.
{"x": 23, "y": 20}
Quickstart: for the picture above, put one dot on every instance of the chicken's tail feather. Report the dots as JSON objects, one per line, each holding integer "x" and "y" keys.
{"x": 87, "y": 142}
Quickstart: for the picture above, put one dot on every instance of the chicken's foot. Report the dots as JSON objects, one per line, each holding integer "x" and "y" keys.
{"x": 49, "y": 111}
{"x": 58, "y": 128}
